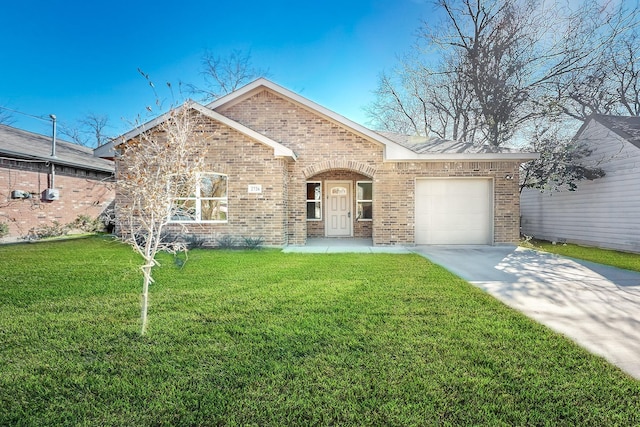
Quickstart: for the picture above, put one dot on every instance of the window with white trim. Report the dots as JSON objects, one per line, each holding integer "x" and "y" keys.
{"x": 314, "y": 201}
{"x": 208, "y": 203}
{"x": 364, "y": 200}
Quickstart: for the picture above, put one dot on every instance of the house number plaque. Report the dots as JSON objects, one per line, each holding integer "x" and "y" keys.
{"x": 255, "y": 188}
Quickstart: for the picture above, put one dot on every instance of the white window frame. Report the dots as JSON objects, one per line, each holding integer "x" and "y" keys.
{"x": 319, "y": 201}
{"x": 198, "y": 202}
{"x": 358, "y": 201}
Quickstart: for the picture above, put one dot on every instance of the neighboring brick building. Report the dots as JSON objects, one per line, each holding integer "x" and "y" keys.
{"x": 286, "y": 169}
{"x": 37, "y": 189}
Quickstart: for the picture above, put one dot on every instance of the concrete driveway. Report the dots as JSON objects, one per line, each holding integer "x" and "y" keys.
{"x": 595, "y": 305}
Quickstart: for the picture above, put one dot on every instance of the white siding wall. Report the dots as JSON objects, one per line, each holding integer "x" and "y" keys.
{"x": 604, "y": 212}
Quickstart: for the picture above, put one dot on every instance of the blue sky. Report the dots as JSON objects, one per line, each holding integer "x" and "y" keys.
{"x": 71, "y": 58}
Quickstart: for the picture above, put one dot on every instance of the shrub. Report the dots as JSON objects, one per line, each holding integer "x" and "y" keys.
{"x": 252, "y": 242}
{"x": 226, "y": 242}
{"x": 4, "y": 229}
{"x": 88, "y": 224}
{"x": 194, "y": 241}
{"x": 188, "y": 241}
{"x": 54, "y": 230}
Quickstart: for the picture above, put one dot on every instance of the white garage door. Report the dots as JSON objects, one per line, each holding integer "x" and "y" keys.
{"x": 454, "y": 211}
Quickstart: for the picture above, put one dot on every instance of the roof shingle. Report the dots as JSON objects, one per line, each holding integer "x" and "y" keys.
{"x": 19, "y": 143}
{"x": 627, "y": 127}
{"x": 424, "y": 145}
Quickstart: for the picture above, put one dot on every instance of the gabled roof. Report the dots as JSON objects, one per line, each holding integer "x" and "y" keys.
{"x": 626, "y": 127}
{"x": 279, "y": 150}
{"x": 396, "y": 146}
{"x": 21, "y": 144}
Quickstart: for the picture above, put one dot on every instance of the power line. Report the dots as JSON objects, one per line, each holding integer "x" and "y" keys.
{"x": 47, "y": 119}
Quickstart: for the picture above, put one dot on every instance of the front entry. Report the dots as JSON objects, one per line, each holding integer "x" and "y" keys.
{"x": 339, "y": 221}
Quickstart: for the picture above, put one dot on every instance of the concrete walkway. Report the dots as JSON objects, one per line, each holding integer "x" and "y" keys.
{"x": 595, "y": 305}
{"x": 346, "y": 245}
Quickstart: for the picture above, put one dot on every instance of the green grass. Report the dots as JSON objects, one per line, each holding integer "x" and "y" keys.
{"x": 626, "y": 260}
{"x": 265, "y": 338}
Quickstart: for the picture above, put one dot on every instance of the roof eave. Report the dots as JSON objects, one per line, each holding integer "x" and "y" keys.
{"x": 106, "y": 150}
{"x": 21, "y": 156}
{"x": 522, "y": 157}
{"x": 279, "y": 150}
{"x": 109, "y": 149}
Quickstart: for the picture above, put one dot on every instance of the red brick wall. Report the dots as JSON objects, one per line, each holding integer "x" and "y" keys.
{"x": 81, "y": 193}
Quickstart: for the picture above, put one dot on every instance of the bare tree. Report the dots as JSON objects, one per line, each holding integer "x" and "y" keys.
{"x": 610, "y": 82}
{"x": 505, "y": 72}
{"x": 474, "y": 87}
{"x": 90, "y": 131}
{"x": 452, "y": 102}
{"x": 421, "y": 99}
{"x": 396, "y": 109}
{"x": 156, "y": 167}
{"x": 626, "y": 72}
{"x": 512, "y": 52}
{"x": 491, "y": 67}
{"x": 225, "y": 74}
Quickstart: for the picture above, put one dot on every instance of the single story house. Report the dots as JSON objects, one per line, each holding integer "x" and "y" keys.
{"x": 286, "y": 169}
{"x": 602, "y": 212}
{"x": 38, "y": 189}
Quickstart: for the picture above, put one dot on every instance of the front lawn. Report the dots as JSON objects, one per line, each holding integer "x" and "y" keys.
{"x": 626, "y": 260}
{"x": 266, "y": 338}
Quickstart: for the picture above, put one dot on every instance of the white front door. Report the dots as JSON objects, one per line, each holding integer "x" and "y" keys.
{"x": 339, "y": 203}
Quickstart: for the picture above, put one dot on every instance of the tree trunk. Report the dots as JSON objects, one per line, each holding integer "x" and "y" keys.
{"x": 146, "y": 271}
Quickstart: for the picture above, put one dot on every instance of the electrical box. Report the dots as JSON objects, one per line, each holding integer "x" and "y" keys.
{"x": 19, "y": 194}
{"x": 51, "y": 194}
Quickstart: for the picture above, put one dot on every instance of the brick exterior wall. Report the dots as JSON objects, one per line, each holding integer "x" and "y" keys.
{"x": 320, "y": 145}
{"x": 81, "y": 193}
{"x": 328, "y": 151}
{"x": 361, "y": 229}
{"x": 245, "y": 162}
{"x": 394, "y": 197}
{"x": 325, "y": 151}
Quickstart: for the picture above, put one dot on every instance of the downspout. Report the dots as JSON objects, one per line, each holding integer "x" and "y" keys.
{"x": 52, "y": 173}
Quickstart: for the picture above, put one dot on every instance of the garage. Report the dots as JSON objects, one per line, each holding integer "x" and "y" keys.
{"x": 454, "y": 211}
